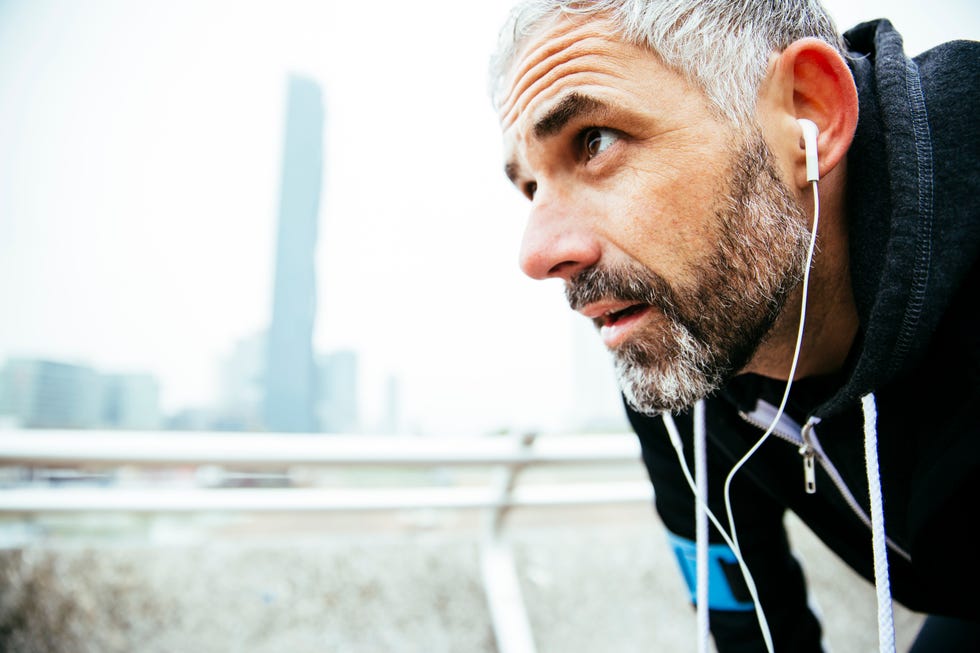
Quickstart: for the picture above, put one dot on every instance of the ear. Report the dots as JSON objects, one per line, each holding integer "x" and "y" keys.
{"x": 809, "y": 79}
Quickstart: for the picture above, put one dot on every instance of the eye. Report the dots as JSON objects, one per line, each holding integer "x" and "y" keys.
{"x": 595, "y": 141}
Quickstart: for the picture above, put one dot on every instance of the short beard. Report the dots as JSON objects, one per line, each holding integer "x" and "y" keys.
{"x": 711, "y": 329}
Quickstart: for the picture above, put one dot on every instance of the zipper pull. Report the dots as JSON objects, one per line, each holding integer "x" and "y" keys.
{"x": 809, "y": 455}
{"x": 809, "y": 470}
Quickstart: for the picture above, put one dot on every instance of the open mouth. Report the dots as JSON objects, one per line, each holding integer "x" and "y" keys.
{"x": 616, "y": 327}
{"x": 612, "y": 318}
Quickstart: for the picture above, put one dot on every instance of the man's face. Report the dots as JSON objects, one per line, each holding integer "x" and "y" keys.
{"x": 672, "y": 231}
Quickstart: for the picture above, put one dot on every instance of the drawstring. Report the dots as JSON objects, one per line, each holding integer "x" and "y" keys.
{"x": 701, "y": 524}
{"x": 886, "y": 625}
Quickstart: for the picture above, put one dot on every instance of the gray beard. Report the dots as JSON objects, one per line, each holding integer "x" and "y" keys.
{"x": 714, "y": 327}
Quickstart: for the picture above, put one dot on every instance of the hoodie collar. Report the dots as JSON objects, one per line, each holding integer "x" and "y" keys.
{"x": 889, "y": 200}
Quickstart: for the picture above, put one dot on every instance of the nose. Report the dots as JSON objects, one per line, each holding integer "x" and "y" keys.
{"x": 558, "y": 242}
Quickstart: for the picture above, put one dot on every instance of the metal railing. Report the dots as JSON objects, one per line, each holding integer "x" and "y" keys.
{"x": 220, "y": 456}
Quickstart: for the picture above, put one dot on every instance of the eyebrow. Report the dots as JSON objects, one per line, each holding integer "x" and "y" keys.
{"x": 574, "y": 105}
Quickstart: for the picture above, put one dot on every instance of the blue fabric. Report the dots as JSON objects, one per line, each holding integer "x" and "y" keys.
{"x": 721, "y": 593}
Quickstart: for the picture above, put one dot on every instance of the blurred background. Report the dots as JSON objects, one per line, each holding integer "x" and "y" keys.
{"x": 212, "y": 212}
{"x": 291, "y": 217}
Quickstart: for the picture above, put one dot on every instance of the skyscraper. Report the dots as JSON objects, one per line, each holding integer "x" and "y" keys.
{"x": 290, "y": 373}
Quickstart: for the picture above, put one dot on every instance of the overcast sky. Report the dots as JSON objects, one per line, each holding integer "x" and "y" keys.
{"x": 139, "y": 178}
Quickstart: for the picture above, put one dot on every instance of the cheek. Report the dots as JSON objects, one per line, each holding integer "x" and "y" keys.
{"x": 668, "y": 224}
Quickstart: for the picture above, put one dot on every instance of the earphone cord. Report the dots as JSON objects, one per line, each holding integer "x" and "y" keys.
{"x": 700, "y": 489}
{"x": 782, "y": 403}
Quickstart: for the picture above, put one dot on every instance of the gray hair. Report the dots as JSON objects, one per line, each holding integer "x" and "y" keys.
{"x": 721, "y": 46}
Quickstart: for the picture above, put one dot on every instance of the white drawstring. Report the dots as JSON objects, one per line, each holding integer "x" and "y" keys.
{"x": 701, "y": 524}
{"x": 886, "y": 624}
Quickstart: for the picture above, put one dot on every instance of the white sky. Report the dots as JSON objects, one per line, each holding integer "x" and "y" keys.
{"x": 139, "y": 180}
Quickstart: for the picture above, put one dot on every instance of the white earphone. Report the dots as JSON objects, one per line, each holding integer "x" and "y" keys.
{"x": 810, "y": 132}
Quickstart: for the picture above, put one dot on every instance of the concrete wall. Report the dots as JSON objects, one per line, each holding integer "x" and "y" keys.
{"x": 595, "y": 581}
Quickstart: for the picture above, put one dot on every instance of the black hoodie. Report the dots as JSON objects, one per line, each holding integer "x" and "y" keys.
{"x": 913, "y": 212}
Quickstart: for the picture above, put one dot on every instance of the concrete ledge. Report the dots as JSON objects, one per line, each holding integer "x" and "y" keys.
{"x": 594, "y": 580}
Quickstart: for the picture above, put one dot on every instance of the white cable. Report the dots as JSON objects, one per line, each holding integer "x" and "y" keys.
{"x": 886, "y": 624}
{"x": 732, "y": 539}
{"x": 675, "y": 439}
{"x": 792, "y": 369}
{"x": 701, "y": 525}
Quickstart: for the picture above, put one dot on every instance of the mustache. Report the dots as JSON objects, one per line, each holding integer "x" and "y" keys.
{"x": 630, "y": 283}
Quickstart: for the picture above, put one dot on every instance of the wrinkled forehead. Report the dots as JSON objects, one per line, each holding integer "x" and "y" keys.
{"x": 561, "y": 49}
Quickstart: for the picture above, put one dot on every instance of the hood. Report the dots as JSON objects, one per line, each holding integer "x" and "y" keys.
{"x": 911, "y": 208}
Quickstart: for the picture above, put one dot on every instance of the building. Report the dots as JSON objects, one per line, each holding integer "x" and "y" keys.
{"x": 290, "y": 370}
{"x": 241, "y": 386}
{"x": 131, "y": 402}
{"x": 48, "y": 394}
{"x": 337, "y": 389}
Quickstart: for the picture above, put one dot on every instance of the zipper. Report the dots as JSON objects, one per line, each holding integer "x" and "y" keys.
{"x": 787, "y": 429}
{"x": 805, "y": 438}
{"x": 762, "y": 417}
{"x": 809, "y": 470}
{"x": 809, "y": 453}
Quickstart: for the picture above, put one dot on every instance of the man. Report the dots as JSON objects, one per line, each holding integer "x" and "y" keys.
{"x": 661, "y": 145}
